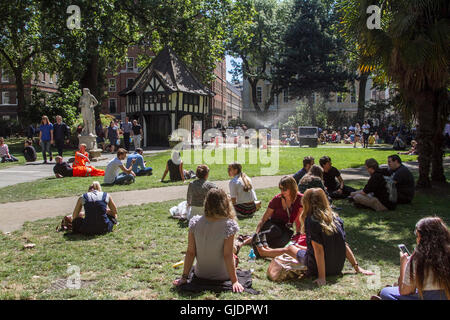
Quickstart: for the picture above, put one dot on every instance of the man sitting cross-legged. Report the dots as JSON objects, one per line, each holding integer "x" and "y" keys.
{"x": 375, "y": 194}
{"x": 336, "y": 190}
{"x": 139, "y": 166}
{"x": 112, "y": 175}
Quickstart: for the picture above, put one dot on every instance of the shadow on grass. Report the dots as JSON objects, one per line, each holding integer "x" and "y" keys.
{"x": 70, "y": 236}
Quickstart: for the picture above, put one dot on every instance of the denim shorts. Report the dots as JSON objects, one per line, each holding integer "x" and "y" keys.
{"x": 301, "y": 256}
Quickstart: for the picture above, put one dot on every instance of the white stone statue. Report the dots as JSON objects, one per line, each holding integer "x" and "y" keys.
{"x": 87, "y": 104}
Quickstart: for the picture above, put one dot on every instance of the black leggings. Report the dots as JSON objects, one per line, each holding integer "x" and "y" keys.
{"x": 275, "y": 233}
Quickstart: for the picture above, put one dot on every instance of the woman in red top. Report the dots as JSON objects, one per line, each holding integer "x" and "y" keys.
{"x": 275, "y": 228}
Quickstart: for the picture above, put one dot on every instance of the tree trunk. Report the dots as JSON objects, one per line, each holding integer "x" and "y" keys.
{"x": 362, "y": 97}
{"x": 90, "y": 76}
{"x": 312, "y": 112}
{"x": 440, "y": 116}
{"x": 20, "y": 90}
{"x": 425, "y": 136}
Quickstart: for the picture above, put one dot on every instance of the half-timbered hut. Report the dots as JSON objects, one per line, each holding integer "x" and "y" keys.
{"x": 166, "y": 96}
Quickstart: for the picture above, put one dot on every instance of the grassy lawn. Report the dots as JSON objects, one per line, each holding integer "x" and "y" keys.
{"x": 290, "y": 161}
{"x": 15, "y": 146}
{"x": 135, "y": 261}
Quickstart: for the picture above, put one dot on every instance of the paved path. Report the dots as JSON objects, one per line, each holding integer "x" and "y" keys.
{"x": 14, "y": 214}
{"x": 37, "y": 170}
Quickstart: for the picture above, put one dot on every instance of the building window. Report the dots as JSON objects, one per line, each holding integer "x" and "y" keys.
{"x": 374, "y": 94}
{"x": 130, "y": 82}
{"x": 130, "y": 64}
{"x": 6, "y": 117}
{"x": 5, "y": 97}
{"x": 286, "y": 95}
{"x": 112, "y": 105}
{"x": 50, "y": 80}
{"x": 112, "y": 85}
{"x": 353, "y": 98}
{"x": 339, "y": 98}
{"x": 43, "y": 76}
{"x": 5, "y": 77}
{"x": 258, "y": 94}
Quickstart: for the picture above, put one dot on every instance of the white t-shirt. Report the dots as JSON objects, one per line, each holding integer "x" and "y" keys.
{"x": 366, "y": 128}
{"x": 237, "y": 191}
{"x": 112, "y": 170}
{"x": 428, "y": 283}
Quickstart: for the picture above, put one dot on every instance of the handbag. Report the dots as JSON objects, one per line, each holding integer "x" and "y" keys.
{"x": 66, "y": 224}
{"x": 284, "y": 268}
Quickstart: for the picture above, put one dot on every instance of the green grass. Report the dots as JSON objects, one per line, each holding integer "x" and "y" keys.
{"x": 135, "y": 260}
{"x": 290, "y": 161}
{"x": 15, "y": 146}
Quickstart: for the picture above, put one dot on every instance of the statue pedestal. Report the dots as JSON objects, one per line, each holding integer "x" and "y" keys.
{"x": 91, "y": 146}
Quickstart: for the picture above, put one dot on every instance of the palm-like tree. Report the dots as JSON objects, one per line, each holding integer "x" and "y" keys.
{"x": 412, "y": 50}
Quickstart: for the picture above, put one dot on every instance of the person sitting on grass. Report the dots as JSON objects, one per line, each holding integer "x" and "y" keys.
{"x": 313, "y": 179}
{"x": 96, "y": 219}
{"x": 275, "y": 228}
{"x": 336, "y": 190}
{"x": 139, "y": 165}
{"x": 375, "y": 194}
{"x": 81, "y": 157}
{"x": 242, "y": 194}
{"x": 5, "y": 156}
{"x": 404, "y": 180}
{"x": 197, "y": 192}
{"x": 426, "y": 273}
{"x": 210, "y": 242}
{"x": 62, "y": 169}
{"x": 412, "y": 151}
{"x": 112, "y": 175}
{"x": 326, "y": 249}
{"x": 307, "y": 163}
{"x": 174, "y": 167}
{"x": 29, "y": 152}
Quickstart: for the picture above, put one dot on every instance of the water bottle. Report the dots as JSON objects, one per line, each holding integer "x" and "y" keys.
{"x": 251, "y": 260}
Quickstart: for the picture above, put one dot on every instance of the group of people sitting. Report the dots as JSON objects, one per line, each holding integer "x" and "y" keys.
{"x": 319, "y": 242}
{"x": 385, "y": 188}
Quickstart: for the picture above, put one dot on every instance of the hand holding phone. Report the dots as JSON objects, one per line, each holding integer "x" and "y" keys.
{"x": 403, "y": 249}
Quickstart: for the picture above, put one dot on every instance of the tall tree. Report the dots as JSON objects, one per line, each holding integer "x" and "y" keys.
{"x": 259, "y": 45}
{"x": 312, "y": 61}
{"x": 411, "y": 49}
{"x": 22, "y": 43}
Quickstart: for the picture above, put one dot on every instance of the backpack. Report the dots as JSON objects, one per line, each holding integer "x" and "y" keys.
{"x": 391, "y": 188}
{"x": 285, "y": 267}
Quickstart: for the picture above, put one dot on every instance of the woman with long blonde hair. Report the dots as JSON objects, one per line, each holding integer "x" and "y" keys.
{"x": 242, "y": 194}
{"x": 326, "y": 249}
{"x": 211, "y": 243}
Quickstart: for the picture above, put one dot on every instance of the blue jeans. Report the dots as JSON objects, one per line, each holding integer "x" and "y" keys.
{"x": 147, "y": 171}
{"x": 124, "y": 178}
{"x": 46, "y": 147}
{"x": 392, "y": 293}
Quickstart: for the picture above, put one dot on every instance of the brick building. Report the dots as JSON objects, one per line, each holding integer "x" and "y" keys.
{"x": 8, "y": 93}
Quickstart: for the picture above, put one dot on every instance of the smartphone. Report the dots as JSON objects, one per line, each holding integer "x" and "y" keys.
{"x": 403, "y": 249}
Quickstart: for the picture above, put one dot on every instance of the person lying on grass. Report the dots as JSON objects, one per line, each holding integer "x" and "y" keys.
{"x": 211, "y": 241}
{"x": 426, "y": 273}
{"x": 326, "y": 249}
{"x": 97, "y": 218}
{"x": 62, "y": 169}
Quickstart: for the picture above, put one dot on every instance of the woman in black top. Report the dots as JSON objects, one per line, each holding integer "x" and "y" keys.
{"x": 326, "y": 249}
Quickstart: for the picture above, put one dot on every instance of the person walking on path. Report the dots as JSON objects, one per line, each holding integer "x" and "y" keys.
{"x": 61, "y": 132}
{"x": 46, "y": 138}
{"x": 113, "y": 136}
{"x": 137, "y": 134}
{"x": 126, "y": 128}
{"x": 366, "y": 133}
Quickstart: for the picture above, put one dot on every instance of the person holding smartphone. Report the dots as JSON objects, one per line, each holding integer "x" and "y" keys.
{"x": 426, "y": 273}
